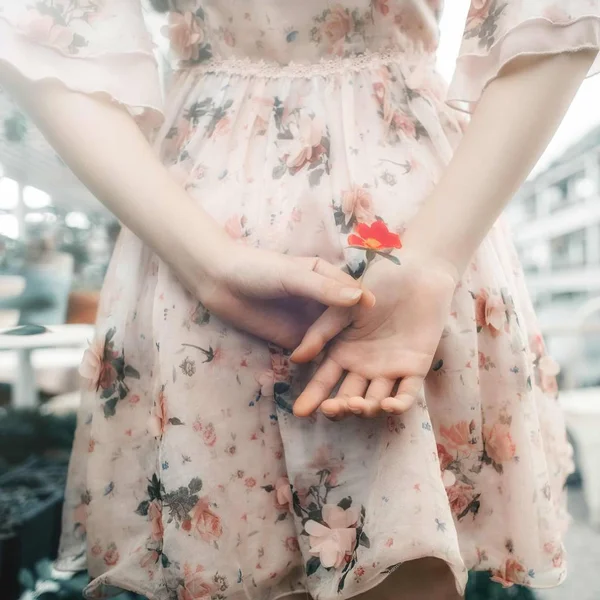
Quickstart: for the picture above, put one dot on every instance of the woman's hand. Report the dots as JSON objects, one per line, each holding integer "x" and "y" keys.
{"x": 383, "y": 353}
{"x": 273, "y": 296}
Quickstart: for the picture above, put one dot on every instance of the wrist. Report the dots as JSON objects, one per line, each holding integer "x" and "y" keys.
{"x": 424, "y": 257}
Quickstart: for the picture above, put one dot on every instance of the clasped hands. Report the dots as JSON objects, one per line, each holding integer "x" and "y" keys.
{"x": 379, "y": 335}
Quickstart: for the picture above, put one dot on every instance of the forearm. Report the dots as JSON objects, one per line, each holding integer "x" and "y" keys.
{"x": 104, "y": 147}
{"x": 510, "y": 128}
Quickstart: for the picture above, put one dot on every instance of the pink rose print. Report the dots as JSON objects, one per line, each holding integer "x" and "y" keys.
{"x": 404, "y": 123}
{"x": 150, "y": 558}
{"x": 512, "y": 572}
{"x": 499, "y": 444}
{"x": 283, "y": 494}
{"x": 358, "y": 202}
{"x": 250, "y": 482}
{"x": 324, "y": 461}
{"x": 194, "y": 588}
{"x": 458, "y": 436}
{"x": 482, "y": 360}
{"x": 45, "y": 30}
{"x": 155, "y": 516}
{"x": 96, "y": 367}
{"x": 478, "y": 12}
{"x": 460, "y": 496}
{"x": 205, "y": 522}
{"x": 111, "y": 556}
{"x": 381, "y": 6}
{"x": 306, "y": 145}
{"x": 335, "y": 541}
{"x": 291, "y": 544}
{"x": 222, "y": 127}
{"x": 210, "y": 435}
{"x": 336, "y": 26}
{"x": 444, "y": 456}
{"x": 382, "y": 96}
{"x": 229, "y": 38}
{"x": 158, "y": 420}
{"x": 185, "y": 34}
{"x": 490, "y": 313}
{"x": 264, "y": 110}
{"x": 96, "y": 550}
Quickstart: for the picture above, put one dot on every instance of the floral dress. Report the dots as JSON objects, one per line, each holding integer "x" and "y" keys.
{"x": 292, "y": 122}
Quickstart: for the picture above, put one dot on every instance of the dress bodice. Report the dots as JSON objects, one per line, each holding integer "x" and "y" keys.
{"x": 299, "y": 31}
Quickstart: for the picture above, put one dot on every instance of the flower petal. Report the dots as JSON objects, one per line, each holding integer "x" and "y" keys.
{"x": 354, "y": 240}
{"x": 316, "y": 529}
{"x": 330, "y": 554}
{"x": 334, "y": 516}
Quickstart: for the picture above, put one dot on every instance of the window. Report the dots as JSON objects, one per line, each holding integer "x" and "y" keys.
{"x": 568, "y": 250}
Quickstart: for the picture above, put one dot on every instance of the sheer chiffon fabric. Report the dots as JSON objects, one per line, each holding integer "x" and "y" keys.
{"x": 290, "y": 123}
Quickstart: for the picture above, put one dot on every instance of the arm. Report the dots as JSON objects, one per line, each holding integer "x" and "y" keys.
{"x": 512, "y": 125}
{"x": 103, "y": 145}
{"x": 394, "y": 344}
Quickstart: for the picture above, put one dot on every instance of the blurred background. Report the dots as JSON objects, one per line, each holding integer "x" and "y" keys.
{"x": 56, "y": 240}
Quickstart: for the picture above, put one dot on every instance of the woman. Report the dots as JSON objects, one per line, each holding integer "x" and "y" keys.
{"x": 294, "y": 130}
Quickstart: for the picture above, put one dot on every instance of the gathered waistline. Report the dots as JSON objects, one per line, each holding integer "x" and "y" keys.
{"x": 248, "y": 67}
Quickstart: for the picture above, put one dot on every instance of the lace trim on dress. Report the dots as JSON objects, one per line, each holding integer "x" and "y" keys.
{"x": 247, "y": 67}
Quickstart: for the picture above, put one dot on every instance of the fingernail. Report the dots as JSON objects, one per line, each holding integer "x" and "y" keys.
{"x": 356, "y": 411}
{"x": 350, "y": 293}
{"x": 328, "y": 413}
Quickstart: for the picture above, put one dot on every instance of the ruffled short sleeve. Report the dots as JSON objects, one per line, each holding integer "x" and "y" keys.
{"x": 91, "y": 46}
{"x": 497, "y": 31}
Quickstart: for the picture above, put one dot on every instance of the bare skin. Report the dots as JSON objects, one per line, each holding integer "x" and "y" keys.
{"x": 384, "y": 355}
{"x": 255, "y": 290}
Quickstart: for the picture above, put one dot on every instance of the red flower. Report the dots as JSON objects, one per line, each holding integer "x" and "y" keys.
{"x": 111, "y": 556}
{"x": 376, "y": 237}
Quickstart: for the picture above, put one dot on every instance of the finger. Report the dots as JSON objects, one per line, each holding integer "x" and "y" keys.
{"x": 353, "y": 385}
{"x": 325, "y": 328}
{"x": 318, "y": 389}
{"x": 407, "y": 394}
{"x": 370, "y": 405}
{"x": 325, "y": 268}
{"x": 297, "y": 280}
{"x": 335, "y": 409}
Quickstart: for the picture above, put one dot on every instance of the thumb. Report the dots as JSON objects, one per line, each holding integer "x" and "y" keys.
{"x": 316, "y": 279}
{"x": 332, "y": 322}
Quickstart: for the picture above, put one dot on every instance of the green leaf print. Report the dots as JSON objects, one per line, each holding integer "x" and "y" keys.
{"x": 195, "y": 485}
{"x": 345, "y": 503}
{"x": 109, "y": 407}
{"x": 142, "y": 508}
{"x": 131, "y": 372}
{"x": 312, "y": 565}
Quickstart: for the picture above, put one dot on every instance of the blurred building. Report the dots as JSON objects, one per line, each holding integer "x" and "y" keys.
{"x": 555, "y": 220}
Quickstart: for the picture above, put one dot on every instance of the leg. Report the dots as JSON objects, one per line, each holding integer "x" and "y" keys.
{"x": 423, "y": 579}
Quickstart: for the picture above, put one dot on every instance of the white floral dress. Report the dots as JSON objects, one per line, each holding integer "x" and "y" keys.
{"x": 291, "y": 122}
